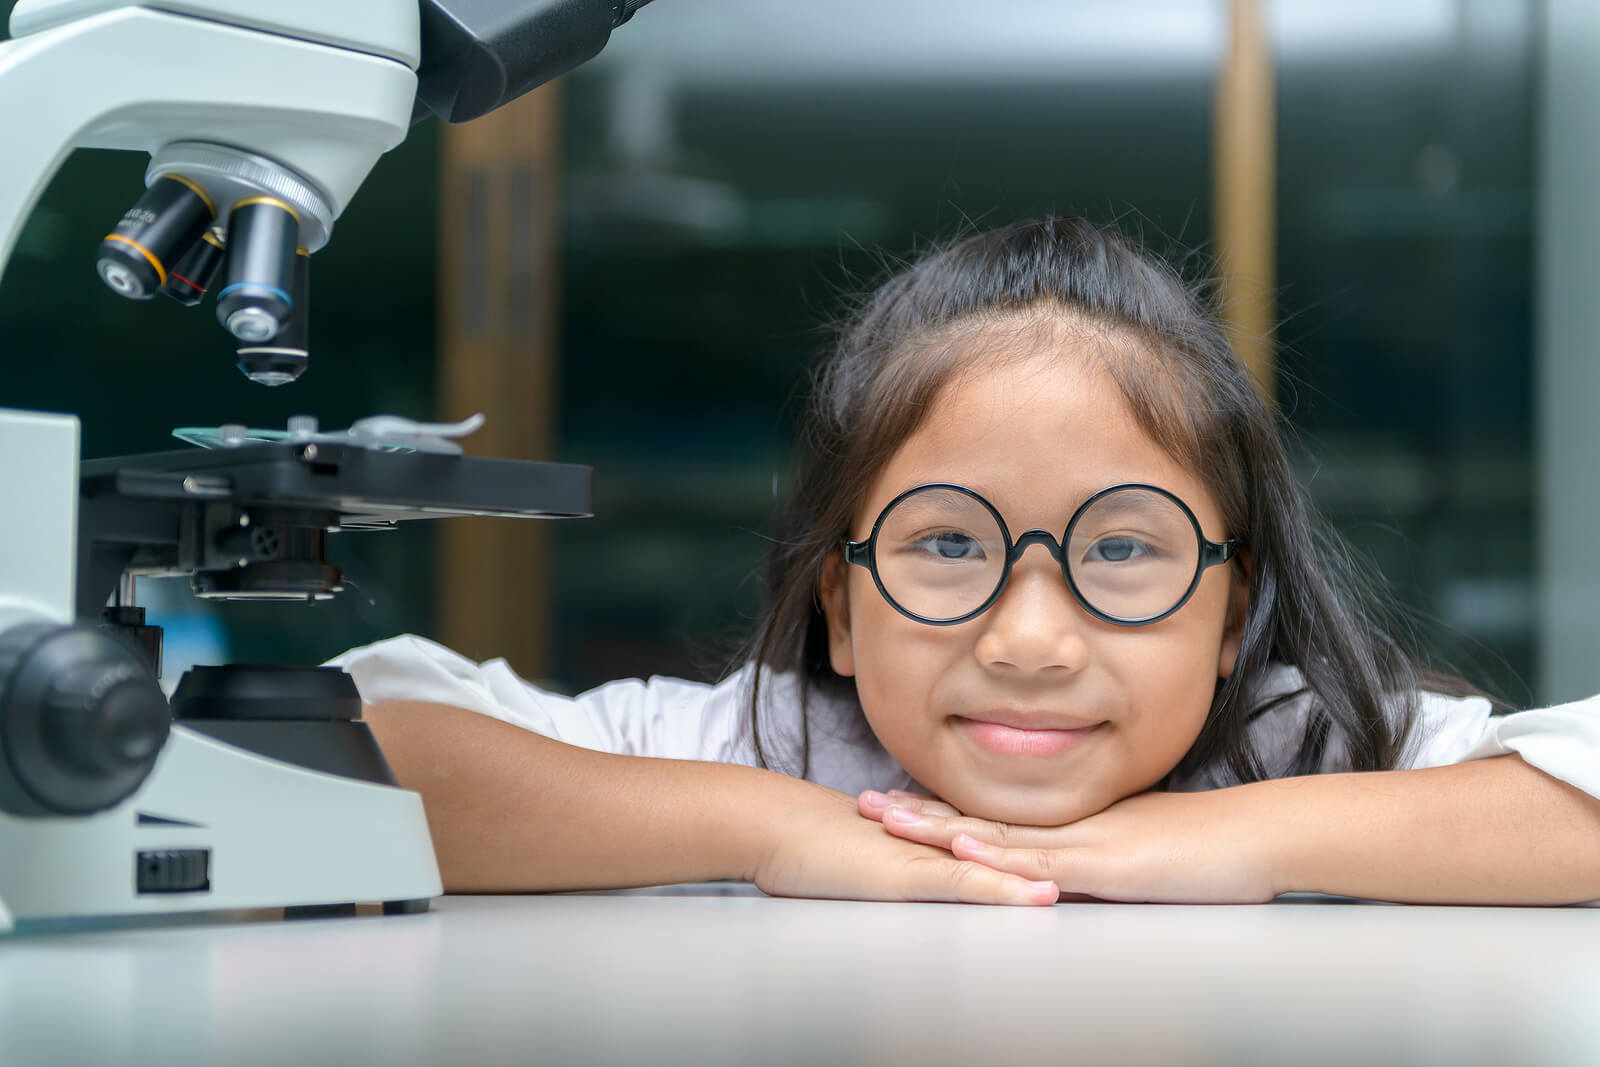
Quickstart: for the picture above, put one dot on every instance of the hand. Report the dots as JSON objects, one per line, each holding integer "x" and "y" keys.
{"x": 822, "y": 848}
{"x": 1175, "y": 847}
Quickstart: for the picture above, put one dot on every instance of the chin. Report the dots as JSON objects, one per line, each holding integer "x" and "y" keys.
{"x": 1021, "y": 807}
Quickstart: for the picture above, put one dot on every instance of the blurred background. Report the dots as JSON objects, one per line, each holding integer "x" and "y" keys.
{"x": 699, "y": 200}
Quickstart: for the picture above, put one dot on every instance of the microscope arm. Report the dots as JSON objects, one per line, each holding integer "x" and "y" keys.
{"x": 326, "y": 113}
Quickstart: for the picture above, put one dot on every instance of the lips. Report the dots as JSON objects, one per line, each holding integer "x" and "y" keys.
{"x": 1032, "y": 720}
{"x": 1013, "y": 734}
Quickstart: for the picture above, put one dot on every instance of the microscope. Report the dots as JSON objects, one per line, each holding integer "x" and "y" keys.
{"x": 253, "y": 786}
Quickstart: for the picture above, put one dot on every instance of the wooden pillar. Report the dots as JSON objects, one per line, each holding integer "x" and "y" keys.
{"x": 498, "y": 303}
{"x": 1244, "y": 188}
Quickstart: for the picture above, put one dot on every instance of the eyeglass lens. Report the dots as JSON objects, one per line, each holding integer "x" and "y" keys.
{"x": 1132, "y": 553}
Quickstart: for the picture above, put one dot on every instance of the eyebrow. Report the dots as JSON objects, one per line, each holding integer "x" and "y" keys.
{"x": 1137, "y": 504}
{"x": 1144, "y": 503}
{"x": 915, "y": 504}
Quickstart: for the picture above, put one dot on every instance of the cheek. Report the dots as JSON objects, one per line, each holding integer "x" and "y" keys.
{"x": 1171, "y": 673}
{"x": 1170, "y": 689}
{"x": 899, "y": 663}
{"x": 890, "y": 674}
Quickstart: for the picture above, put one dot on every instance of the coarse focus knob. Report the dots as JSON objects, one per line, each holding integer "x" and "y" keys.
{"x": 82, "y": 720}
{"x": 104, "y": 717}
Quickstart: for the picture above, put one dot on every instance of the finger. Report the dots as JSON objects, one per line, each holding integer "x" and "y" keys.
{"x": 974, "y": 883}
{"x": 919, "y": 802}
{"x": 941, "y": 830}
{"x": 1060, "y": 865}
{"x": 873, "y": 804}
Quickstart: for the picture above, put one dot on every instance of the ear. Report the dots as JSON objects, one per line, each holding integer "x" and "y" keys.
{"x": 1238, "y": 609}
{"x": 833, "y": 593}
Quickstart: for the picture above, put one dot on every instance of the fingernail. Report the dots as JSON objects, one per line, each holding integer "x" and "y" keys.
{"x": 876, "y": 799}
{"x": 971, "y": 844}
{"x": 1046, "y": 887}
{"x": 901, "y": 816}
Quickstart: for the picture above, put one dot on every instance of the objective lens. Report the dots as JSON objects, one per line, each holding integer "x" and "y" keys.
{"x": 136, "y": 256}
{"x": 282, "y": 359}
{"x": 256, "y": 300}
{"x": 191, "y": 276}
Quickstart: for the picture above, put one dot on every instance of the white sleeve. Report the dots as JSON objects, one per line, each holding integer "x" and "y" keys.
{"x": 1562, "y": 741}
{"x": 664, "y": 717}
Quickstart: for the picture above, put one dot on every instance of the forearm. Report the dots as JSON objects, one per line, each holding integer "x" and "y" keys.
{"x": 512, "y": 811}
{"x": 1491, "y": 831}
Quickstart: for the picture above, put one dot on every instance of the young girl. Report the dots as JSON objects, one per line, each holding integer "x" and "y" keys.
{"x": 1048, "y": 614}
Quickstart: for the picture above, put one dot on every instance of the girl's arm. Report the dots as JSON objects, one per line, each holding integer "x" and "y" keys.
{"x": 1491, "y": 831}
{"x": 513, "y": 811}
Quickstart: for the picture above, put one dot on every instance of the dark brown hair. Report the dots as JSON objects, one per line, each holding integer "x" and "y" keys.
{"x": 1310, "y": 606}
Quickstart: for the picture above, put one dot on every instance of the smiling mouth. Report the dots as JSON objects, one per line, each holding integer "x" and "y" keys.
{"x": 1006, "y": 740}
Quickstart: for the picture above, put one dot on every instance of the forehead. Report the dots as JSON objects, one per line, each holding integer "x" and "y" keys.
{"x": 1037, "y": 430}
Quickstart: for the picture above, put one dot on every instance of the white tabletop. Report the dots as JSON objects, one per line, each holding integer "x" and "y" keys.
{"x": 721, "y": 974}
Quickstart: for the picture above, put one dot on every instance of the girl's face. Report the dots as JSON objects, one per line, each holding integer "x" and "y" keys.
{"x": 1035, "y": 711}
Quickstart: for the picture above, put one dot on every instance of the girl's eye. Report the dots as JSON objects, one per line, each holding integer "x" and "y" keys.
{"x": 950, "y": 544}
{"x": 1117, "y": 550}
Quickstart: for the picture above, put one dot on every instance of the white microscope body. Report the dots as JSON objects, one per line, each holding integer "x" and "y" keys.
{"x": 298, "y": 99}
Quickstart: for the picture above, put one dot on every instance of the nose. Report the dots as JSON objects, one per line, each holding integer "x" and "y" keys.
{"x": 1036, "y": 625}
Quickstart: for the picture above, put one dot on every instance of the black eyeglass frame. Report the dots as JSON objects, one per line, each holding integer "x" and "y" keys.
{"x": 864, "y": 553}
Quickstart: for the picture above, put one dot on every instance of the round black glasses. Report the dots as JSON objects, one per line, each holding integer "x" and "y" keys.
{"x": 1132, "y": 554}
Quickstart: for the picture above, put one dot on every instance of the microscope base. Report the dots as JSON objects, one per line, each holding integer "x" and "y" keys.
{"x": 216, "y": 828}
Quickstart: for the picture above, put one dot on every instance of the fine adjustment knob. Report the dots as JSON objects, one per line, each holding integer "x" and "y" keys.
{"x": 82, "y": 720}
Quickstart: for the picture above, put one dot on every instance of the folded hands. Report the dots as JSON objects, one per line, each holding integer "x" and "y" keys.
{"x": 1173, "y": 847}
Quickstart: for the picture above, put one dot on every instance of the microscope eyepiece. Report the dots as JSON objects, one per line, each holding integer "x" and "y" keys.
{"x": 137, "y": 256}
{"x": 256, "y": 300}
